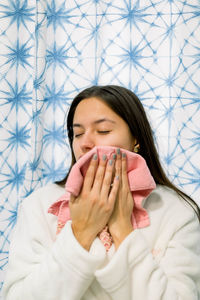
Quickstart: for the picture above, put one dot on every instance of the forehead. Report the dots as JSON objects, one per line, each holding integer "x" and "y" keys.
{"x": 93, "y": 108}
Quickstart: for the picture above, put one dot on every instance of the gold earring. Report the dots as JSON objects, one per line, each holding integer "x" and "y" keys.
{"x": 136, "y": 149}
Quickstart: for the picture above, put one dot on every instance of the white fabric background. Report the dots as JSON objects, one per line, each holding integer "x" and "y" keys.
{"x": 52, "y": 49}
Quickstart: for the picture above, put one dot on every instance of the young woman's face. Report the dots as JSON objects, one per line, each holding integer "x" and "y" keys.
{"x": 96, "y": 124}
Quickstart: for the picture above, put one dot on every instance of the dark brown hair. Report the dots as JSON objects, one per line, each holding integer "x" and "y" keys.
{"x": 127, "y": 105}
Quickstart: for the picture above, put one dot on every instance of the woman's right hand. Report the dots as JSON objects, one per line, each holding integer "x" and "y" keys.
{"x": 91, "y": 210}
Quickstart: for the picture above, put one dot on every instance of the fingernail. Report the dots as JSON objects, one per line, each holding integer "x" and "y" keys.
{"x": 117, "y": 177}
{"x": 118, "y": 150}
{"x": 123, "y": 154}
{"x": 104, "y": 157}
{"x": 95, "y": 156}
{"x": 110, "y": 162}
{"x": 114, "y": 156}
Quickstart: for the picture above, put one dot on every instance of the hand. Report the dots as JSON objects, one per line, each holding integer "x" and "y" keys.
{"x": 91, "y": 210}
{"x": 120, "y": 221}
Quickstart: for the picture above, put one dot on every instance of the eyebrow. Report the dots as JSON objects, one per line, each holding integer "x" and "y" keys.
{"x": 96, "y": 122}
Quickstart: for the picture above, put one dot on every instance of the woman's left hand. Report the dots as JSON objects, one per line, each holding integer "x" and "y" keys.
{"x": 119, "y": 224}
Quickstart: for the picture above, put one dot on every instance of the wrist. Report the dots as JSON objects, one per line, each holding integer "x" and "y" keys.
{"x": 120, "y": 232}
{"x": 84, "y": 238}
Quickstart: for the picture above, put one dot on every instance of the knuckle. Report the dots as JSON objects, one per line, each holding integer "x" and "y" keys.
{"x": 109, "y": 207}
{"x": 106, "y": 208}
{"x": 107, "y": 182}
{"x": 84, "y": 194}
{"x": 101, "y": 204}
{"x": 118, "y": 168}
{"x": 94, "y": 200}
{"x": 99, "y": 176}
{"x": 109, "y": 169}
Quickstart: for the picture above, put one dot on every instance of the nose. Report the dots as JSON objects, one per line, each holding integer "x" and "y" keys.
{"x": 87, "y": 142}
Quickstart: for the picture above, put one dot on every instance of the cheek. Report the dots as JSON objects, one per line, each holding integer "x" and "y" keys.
{"x": 124, "y": 141}
{"x": 107, "y": 140}
{"x": 116, "y": 141}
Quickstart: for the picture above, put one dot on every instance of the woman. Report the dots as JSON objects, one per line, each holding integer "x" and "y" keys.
{"x": 159, "y": 261}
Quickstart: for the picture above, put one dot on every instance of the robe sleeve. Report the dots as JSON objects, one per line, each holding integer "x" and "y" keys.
{"x": 171, "y": 271}
{"x": 42, "y": 269}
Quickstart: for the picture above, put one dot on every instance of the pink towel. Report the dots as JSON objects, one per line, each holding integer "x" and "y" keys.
{"x": 140, "y": 181}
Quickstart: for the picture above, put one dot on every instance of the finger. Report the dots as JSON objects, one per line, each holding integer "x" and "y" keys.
{"x": 72, "y": 198}
{"x": 108, "y": 178}
{"x": 71, "y": 201}
{"x": 90, "y": 174}
{"x": 118, "y": 163}
{"x": 98, "y": 180}
{"x": 124, "y": 171}
{"x": 114, "y": 190}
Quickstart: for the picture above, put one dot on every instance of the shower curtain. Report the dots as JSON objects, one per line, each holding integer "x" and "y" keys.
{"x": 52, "y": 49}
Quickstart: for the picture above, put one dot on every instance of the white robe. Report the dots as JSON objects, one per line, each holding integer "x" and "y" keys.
{"x": 159, "y": 262}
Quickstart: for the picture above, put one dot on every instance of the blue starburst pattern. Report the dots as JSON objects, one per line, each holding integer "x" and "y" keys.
{"x": 17, "y": 12}
{"x": 18, "y": 55}
{"x": 15, "y": 97}
{"x": 56, "y": 97}
{"x": 50, "y": 50}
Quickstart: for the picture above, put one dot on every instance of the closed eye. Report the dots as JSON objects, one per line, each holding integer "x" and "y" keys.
{"x": 99, "y": 131}
{"x": 77, "y": 135}
{"x": 103, "y": 131}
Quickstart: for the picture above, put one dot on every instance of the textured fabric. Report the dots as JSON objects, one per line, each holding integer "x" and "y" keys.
{"x": 141, "y": 184}
{"x": 158, "y": 262}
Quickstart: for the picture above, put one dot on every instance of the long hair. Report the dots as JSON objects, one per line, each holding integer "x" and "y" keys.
{"x": 127, "y": 105}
